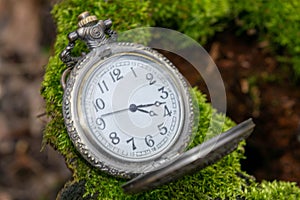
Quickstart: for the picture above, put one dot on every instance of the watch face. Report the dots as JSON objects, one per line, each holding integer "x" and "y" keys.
{"x": 130, "y": 109}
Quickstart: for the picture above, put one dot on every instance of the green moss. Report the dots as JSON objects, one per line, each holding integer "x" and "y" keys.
{"x": 277, "y": 22}
{"x": 274, "y": 190}
{"x": 198, "y": 19}
{"x": 224, "y": 179}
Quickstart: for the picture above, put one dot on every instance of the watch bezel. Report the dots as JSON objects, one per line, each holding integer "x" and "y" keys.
{"x": 77, "y": 133}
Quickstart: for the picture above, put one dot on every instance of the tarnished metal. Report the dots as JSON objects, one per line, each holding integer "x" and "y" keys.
{"x": 64, "y": 76}
{"x": 73, "y": 110}
{"x": 92, "y": 31}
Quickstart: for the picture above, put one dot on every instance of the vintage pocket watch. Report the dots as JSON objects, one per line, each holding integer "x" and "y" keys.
{"x": 127, "y": 108}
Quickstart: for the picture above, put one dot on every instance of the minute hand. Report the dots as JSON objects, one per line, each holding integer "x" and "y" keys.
{"x": 156, "y": 103}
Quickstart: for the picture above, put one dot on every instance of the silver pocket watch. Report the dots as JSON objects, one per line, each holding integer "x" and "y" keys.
{"x": 129, "y": 111}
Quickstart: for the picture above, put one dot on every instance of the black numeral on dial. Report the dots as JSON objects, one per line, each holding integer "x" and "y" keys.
{"x": 131, "y": 140}
{"x": 100, "y": 122}
{"x": 167, "y": 112}
{"x": 150, "y": 78}
{"x": 114, "y": 138}
{"x": 162, "y": 129}
{"x": 133, "y": 71}
{"x": 115, "y": 75}
{"x": 99, "y": 104}
{"x": 164, "y": 94}
{"x": 149, "y": 141}
{"x": 103, "y": 87}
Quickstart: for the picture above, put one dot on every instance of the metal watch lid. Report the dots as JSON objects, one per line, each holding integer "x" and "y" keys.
{"x": 196, "y": 158}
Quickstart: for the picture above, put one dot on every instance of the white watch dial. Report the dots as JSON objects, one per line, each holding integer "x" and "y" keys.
{"x": 132, "y": 107}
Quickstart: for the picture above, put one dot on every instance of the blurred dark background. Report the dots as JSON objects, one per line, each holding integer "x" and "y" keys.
{"x": 26, "y": 35}
{"x": 255, "y": 84}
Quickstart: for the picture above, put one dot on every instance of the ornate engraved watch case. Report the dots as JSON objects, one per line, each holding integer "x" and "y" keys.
{"x": 126, "y": 107}
{"x": 129, "y": 112}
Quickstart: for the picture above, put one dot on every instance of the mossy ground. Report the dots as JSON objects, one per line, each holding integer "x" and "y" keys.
{"x": 224, "y": 179}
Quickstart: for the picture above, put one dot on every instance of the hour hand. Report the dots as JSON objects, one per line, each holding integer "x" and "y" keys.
{"x": 151, "y": 113}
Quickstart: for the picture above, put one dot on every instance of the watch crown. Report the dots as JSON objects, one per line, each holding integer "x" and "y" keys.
{"x": 85, "y": 18}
